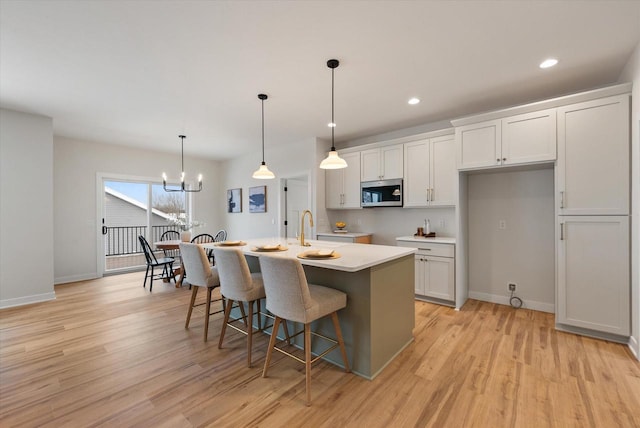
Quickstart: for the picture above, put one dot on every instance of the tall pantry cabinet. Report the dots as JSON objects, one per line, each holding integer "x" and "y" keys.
{"x": 592, "y": 203}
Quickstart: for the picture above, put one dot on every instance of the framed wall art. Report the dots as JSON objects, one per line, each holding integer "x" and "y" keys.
{"x": 234, "y": 200}
{"x": 258, "y": 199}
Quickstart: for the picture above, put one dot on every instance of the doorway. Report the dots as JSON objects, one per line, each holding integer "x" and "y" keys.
{"x": 296, "y": 200}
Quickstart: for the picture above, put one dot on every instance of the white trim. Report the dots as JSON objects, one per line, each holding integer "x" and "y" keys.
{"x": 504, "y": 300}
{"x": 607, "y": 91}
{"x": 634, "y": 347}
{"x": 400, "y": 140}
{"x": 27, "y": 300}
{"x": 76, "y": 278}
{"x": 610, "y": 337}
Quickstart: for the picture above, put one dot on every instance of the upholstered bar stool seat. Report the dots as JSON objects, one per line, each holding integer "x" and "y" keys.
{"x": 238, "y": 284}
{"x": 201, "y": 274}
{"x": 290, "y": 297}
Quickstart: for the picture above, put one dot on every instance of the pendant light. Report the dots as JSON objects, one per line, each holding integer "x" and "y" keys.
{"x": 263, "y": 172}
{"x": 333, "y": 161}
{"x": 182, "y": 188}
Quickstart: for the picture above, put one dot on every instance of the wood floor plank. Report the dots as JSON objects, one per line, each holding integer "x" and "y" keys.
{"x": 108, "y": 352}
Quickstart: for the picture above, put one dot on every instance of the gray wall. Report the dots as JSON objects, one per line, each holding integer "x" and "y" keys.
{"x": 77, "y": 165}
{"x": 26, "y": 208}
{"x": 523, "y": 252}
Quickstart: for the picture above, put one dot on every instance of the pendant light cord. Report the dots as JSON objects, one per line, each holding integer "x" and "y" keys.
{"x": 333, "y": 123}
{"x": 262, "y": 99}
{"x": 182, "y": 152}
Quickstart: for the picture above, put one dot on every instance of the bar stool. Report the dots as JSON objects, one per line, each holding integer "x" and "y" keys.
{"x": 201, "y": 274}
{"x": 290, "y": 297}
{"x": 238, "y": 284}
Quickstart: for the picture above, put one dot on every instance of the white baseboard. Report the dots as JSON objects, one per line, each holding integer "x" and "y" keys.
{"x": 27, "y": 300}
{"x": 75, "y": 278}
{"x": 504, "y": 300}
{"x": 634, "y": 346}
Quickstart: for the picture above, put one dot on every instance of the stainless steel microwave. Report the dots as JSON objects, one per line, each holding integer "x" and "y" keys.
{"x": 382, "y": 193}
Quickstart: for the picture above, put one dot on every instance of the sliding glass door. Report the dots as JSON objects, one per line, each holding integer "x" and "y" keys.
{"x": 131, "y": 208}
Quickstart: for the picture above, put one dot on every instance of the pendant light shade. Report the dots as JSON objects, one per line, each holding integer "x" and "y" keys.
{"x": 333, "y": 160}
{"x": 183, "y": 187}
{"x": 263, "y": 172}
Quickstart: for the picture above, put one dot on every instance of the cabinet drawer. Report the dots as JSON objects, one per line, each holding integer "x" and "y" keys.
{"x": 430, "y": 248}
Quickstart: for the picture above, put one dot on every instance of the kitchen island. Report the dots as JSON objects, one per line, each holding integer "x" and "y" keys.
{"x": 378, "y": 322}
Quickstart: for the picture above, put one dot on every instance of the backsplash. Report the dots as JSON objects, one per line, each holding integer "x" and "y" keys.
{"x": 387, "y": 223}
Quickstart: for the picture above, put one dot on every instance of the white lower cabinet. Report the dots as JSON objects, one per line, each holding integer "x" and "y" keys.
{"x": 593, "y": 273}
{"x": 434, "y": 276}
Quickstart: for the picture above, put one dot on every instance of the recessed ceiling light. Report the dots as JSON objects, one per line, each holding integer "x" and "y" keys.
{"x": 548, "y": 63}
{"x": 414, "y": 101}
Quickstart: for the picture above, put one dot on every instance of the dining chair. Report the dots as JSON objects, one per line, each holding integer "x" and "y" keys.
{"x": 290, "y": 297}
{"x": 221, "y": 235}
{"x": 201, "y": 274}
{"x": 204, "y": 238}
{"x": 238, "y": 284}
{"x": 170, "y": 235}
{"x": 153, "y": 262}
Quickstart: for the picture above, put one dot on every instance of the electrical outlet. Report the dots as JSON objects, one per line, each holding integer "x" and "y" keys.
{"x": 512, "y": 287}
{"x": 502, "y": 224}
{"x": 359, "y": 222}
{"x": 441, "y": 223}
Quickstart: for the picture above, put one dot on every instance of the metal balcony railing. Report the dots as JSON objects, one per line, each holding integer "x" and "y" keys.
{"x": 123, "y": 240}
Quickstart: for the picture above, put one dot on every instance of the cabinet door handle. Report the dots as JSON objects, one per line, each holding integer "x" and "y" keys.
{"x": 498, "y": 160}
{"x": 426, "y": 191}
{"x": 562, "y": 199}
{"x": 504, "y": 159}
{"x": 431, "y": 194}
{"x": 562, "y": 231}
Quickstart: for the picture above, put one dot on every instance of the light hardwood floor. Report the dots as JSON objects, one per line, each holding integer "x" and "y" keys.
{"x": 109, "y": 353}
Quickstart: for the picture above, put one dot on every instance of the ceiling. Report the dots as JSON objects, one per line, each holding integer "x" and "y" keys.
{"x": 138, "y": 73}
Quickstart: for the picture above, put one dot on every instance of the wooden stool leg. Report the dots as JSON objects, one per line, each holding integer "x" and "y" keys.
{"x": 244, "y": 315}
{"x": 206, "y": 314}
{"x": 227, "y": 311}
{"x": 249, "y": 334}
{"x": 193, "y": 300}
{"x": 259, "y": 318}
{"x": 343, "y": 351}
{"x": 286, "y": 332}
{"x": 272, "y": 343}
{"x": 307, "y": 360}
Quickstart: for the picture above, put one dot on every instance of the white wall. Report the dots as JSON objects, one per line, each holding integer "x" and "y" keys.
{"x": 289, "y": 161}
{"x": 76, "y": 164}
{"x": 631, "y": 73}
{"x": 523, "y": 253}
{"x": 26, "y": 208}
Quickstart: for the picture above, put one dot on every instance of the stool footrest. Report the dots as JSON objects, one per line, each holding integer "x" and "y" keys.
{"x": 317, "y": 356}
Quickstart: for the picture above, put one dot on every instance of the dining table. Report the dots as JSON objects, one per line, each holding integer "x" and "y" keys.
{"x": 172, "y": 244}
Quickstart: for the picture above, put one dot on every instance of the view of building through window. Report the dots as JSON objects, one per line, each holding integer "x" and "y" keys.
{"x": 127, "y": 215}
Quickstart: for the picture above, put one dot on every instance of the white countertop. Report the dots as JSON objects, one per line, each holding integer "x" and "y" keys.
{"x": 353, "y": 257}
{"x": 436, "y": 240}
{"x": 347, "y": 234}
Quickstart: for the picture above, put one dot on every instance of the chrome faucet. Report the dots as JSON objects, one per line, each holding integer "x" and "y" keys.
{"x": 304, "y": 213}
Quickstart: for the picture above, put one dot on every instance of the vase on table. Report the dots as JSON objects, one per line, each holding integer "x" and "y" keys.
{"x": 185, "y": 236}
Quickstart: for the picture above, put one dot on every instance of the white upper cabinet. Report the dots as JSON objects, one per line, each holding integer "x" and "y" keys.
{"x": 342, "y": 186}
{"x": 479, "y": 145}
{"x": 429, "y": 173}
{"x": 521, "y": 139}
{"x": 384, "y": 163}
{"x": 529, "y": 137}
{"x": 592, "y": 174}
